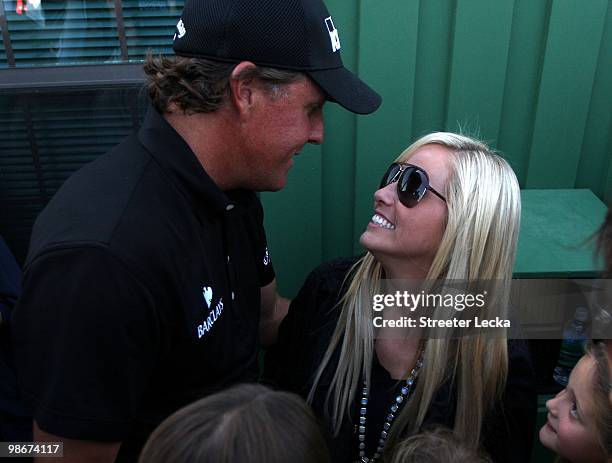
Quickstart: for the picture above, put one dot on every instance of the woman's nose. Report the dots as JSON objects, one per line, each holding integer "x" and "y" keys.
{"x": 385, "y": 195}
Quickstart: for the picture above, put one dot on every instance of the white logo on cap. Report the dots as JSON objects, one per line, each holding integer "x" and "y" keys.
{"x": 333, "y": 34}
{"x": 181, "y": 29}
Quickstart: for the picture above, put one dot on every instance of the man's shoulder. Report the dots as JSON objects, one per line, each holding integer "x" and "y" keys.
{"x": 121, "y": 187}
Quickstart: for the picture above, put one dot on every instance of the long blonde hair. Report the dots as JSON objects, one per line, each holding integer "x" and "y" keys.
{"x": 479, "y": 242}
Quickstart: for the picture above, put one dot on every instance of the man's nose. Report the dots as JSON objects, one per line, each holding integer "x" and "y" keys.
{"x": 317, "y": 131}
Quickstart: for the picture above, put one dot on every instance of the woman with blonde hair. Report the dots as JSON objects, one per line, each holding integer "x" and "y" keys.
{"x": 448, "y": 209}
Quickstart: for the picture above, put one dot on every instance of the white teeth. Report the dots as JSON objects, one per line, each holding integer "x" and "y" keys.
{"x": 382, "y": 222}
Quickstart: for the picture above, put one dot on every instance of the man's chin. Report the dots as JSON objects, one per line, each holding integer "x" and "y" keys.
{"x": 271, "y": 187}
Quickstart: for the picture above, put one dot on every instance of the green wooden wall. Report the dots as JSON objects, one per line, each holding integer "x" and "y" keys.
{"x": 533, "y": 78}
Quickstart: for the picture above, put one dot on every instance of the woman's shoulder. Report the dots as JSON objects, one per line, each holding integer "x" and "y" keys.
{"x": 317, "y": 303}
{"x": 331, "y": 275}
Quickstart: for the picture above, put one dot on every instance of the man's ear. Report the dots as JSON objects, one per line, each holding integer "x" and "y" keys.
{"x": 242, "y": 86}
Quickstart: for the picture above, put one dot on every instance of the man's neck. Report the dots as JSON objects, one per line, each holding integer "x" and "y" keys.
{"x": 213, "y": 140}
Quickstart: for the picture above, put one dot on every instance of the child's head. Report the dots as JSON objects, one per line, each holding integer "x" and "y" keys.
{"x": 249, "y": 422}
{"x": 435, "y": 446}
{"x": 579, "y": 426}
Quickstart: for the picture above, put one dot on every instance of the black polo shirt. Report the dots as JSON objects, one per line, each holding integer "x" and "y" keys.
{"x": 141, "y": 292}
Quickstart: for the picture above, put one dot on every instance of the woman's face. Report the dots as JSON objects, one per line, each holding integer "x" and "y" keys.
{"x": 570, "y": 429}
{"x": 408, "y": 238}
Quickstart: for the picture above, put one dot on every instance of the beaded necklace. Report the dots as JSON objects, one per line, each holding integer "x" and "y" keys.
{"x": 400, "y": 400}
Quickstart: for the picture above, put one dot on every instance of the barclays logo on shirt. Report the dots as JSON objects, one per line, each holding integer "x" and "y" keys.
{"x": 213, "y": 314}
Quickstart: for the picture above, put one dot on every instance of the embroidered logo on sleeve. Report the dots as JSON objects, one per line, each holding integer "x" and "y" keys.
{"x": 333, "y": 34}
{"x": 212, "y": 315}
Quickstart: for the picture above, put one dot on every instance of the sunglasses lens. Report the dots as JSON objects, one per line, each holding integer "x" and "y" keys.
{"x": 412, "y": 186}
{"x": 389, "y": 175}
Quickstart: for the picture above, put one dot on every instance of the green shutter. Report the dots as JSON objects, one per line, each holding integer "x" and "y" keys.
{"x": 43, "y": 140}
{"x": 149, "y": 25}
{"x": 87, "y": 31}
{"x": 73, "y": 32}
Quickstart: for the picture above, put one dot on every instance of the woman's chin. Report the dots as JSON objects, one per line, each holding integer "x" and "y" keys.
{"x": 369, "y": 238}
{"x": 364, "y": 239}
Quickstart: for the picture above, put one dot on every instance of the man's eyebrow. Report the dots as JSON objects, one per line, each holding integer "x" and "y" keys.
{"x": 316, "y": 104}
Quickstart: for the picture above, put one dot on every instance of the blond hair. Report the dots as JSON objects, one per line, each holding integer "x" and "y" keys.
{"x": 439, "y": 445}
{"x": 479, "y": 242}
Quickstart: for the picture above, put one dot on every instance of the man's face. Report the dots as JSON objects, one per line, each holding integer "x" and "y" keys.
{"x": 279, "y": 125}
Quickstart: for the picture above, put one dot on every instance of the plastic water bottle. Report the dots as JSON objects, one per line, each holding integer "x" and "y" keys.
{"x": 572, "y": 346}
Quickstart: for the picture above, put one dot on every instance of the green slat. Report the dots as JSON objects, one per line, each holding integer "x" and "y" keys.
{"x": 432, "y": 80}
{"x": 26, "y": 27}
{"x": 147, "y": 22}
{"x": 597, "y": 145}
{"x": 68, "y": 16}
{"x": 574, "y": 38}
{"x": 49, "y": 127}
{"x": 147, "y": 42}
{"x": 478, "y": 74}
{"x": 293, "y": 221}
{"x": 78, "y": 142}
{"x": 163, "y": 35}
{"x": 82, "y": 34}
{"x": 19, "y": 46}
{"x": 381, "y": 136}
{"x": 527, "y": 45}
{"x": 167, "y": 16}
{"x": 55, "y": 131}
{"x": 338, "y": 154}
{"x": 71, "y": 56}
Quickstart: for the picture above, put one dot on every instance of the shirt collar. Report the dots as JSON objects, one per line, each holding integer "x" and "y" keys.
{"x": 179, "y": 162}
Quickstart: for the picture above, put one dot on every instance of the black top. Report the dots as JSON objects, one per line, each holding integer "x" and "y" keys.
{"x": 141, "y": 292}
{"x": 11, "y": 405}
{"x": 303, "y": 339}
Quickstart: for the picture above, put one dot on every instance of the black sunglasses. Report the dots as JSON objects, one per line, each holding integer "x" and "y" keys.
{"x": 412, "y": 183}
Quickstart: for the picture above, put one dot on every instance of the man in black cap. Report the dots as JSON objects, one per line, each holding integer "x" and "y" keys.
{"x": 148, "y": 283}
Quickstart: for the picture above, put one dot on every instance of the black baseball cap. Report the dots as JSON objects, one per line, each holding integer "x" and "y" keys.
{"x": 297, "y": 35}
